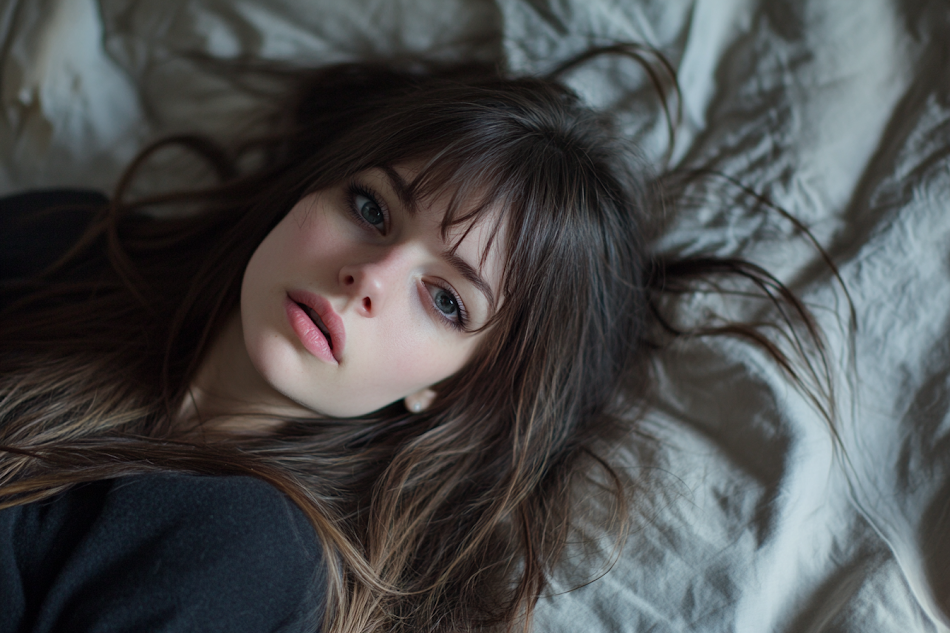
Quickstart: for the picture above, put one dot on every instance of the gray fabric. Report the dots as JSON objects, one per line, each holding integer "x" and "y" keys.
{"x": 838, "y": 111}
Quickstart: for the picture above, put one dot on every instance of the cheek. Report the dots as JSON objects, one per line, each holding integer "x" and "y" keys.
{"x": 299, "y": 236}
{"x": 304, "y": 243}
{"x": 424, "y": 358}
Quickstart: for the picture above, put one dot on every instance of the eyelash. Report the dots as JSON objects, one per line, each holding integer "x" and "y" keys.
{"x": 355, "y": 190}
{"x": 462, "y": 312}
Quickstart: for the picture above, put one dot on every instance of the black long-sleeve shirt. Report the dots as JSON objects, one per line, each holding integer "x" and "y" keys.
{"x": 161, "y": 552}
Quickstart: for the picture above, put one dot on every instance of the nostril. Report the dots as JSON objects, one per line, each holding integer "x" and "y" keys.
{"x": 348, "y": 280}
{"x": 367, "y": 303}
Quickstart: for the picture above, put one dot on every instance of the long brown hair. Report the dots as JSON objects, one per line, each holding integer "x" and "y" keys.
{"x": 447, "y": 520}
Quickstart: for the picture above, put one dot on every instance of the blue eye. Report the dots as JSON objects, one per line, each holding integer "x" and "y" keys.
{"x": 448, "y": 305}
{"x": 369, "y": 211}
{"x": 445, "y": 302}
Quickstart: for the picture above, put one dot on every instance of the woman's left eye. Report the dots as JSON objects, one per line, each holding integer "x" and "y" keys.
{"x": 448, "y": 305}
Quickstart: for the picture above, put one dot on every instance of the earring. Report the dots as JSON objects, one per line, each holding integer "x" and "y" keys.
{"x": 419, "y": 401}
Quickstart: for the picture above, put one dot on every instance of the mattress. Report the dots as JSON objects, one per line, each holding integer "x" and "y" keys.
{"x": 752, "y": 513}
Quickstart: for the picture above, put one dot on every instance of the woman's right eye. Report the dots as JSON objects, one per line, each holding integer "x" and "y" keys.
{"x": 368, "y": 210}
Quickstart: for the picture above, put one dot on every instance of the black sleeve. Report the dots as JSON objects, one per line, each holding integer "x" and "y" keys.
{"x": 36, "y": 227}
{"x": 169, "y": 553}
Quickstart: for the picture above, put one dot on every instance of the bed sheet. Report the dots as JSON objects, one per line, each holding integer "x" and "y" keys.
{"x": 749, "y": 518}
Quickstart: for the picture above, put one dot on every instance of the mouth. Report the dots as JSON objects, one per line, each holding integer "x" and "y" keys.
{"x": 317, "y": 325}
{"x": 316, "y": 321}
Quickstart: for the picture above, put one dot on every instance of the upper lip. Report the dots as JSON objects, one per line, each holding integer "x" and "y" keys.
{"x": 327, "y": 314}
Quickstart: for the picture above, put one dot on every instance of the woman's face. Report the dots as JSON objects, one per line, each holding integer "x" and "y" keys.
{"x": 353, "y": 301}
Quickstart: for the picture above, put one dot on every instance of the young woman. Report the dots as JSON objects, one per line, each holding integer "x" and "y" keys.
{"x": 414, "y": 307}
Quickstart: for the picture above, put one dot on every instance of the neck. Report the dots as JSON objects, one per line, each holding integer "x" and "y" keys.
{"x": 229, "y": 395}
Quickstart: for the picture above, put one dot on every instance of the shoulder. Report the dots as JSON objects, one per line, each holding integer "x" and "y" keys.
{"x": 240, "y": 509}
{"x": 245, "y": 520}
{"x": 177, "y": 553}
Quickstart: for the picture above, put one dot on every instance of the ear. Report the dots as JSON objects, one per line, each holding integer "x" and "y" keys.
{"x": 419, "y": 401}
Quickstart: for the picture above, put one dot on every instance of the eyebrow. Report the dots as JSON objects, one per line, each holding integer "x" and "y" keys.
{"x": 401, "y": 187}
{"x": 470, "y": 274}
{"x": 467, "y": 271}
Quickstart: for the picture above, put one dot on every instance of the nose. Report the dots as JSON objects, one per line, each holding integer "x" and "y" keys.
{"x": 369, "y": 283}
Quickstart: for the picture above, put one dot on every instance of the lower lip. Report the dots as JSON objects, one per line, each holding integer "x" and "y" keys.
{"x": 309, "y": 334}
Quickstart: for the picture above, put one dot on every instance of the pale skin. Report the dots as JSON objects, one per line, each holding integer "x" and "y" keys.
{"x": 386, "y": 272}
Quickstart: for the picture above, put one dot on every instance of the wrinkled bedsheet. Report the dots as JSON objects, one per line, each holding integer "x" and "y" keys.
{"x": 751, "y": 517}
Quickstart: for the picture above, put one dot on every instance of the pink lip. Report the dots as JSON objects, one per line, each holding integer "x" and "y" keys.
{"x": 309, "y": 334}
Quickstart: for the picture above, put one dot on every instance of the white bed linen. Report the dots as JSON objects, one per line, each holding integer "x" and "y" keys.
{"x": 837, "y": 110}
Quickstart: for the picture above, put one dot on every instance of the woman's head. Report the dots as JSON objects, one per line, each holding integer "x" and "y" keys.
{"x": 358, "y": 298}
{"x": 527, "y": 208}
